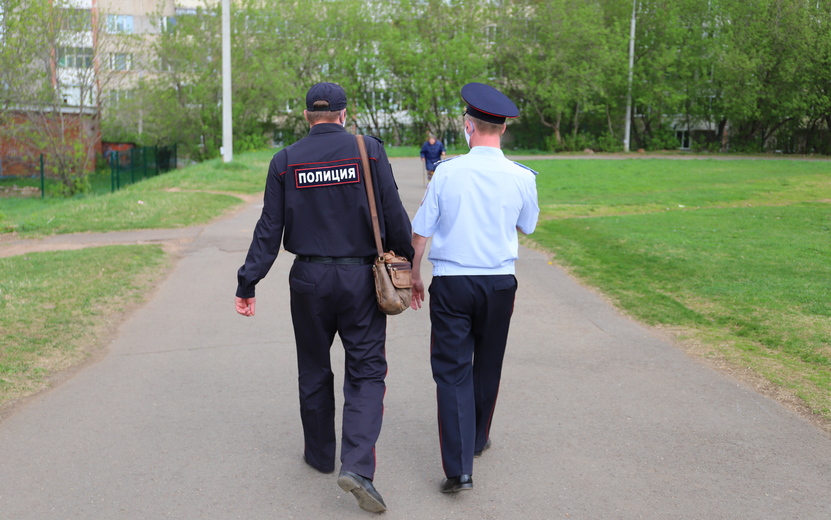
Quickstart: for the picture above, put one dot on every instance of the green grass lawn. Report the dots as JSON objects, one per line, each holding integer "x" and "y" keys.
{"x": 736, "y": 253}
{"x": 54, "y": 307}
{"x": 574, "y": 188}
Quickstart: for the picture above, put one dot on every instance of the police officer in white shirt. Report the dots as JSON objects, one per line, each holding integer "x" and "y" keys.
{"x": 473, "y": 208}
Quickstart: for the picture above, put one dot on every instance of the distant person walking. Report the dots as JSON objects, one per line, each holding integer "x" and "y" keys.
{"x": 316, "y": 204}
{"x": 432, "y": 151}
{"x": 472, "y": 209}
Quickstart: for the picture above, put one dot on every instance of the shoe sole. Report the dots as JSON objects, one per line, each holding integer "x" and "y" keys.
{"x": 365, "y": 501}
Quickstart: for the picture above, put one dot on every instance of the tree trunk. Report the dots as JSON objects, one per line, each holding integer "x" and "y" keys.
{"x": 638, "y": 139}
{"x": 555, "y": 126}
{"x": 557, "y": 136}
{"x": 725, "y": 138}
{"x": 576, "y": 120}
{"x": 609, "y": 120}
{"x": 809, "y": 136}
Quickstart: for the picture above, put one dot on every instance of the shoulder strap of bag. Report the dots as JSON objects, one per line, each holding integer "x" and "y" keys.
{"x": 370, "y": 194}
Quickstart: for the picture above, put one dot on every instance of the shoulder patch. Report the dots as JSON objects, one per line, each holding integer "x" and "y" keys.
{"x": 525, "y": 167}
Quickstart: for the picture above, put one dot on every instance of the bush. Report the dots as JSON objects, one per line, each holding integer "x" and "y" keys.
{"x": 571, "y": 143}
{"x": 251, "y": 143}
{"x": 663, "y": 139}
{"x": 608, "y": 143}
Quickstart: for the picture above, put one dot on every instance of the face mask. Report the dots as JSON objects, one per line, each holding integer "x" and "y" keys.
{"x": 467, "y": 137}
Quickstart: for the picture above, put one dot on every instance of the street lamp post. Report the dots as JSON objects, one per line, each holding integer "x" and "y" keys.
{"x": 227, "y": 128}
{"x": 628, "y": 129}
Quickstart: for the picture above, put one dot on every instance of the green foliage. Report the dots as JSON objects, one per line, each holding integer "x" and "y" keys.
{"x": 752, "y": 73}
{"x": 50, "y": 103}
{"x": 561, "y": 59}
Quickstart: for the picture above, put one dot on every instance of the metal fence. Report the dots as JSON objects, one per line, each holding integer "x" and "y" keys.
{"x": 125, "y": 167}
{"x": 130, "y": 166}
{"x": 26, "y": 169}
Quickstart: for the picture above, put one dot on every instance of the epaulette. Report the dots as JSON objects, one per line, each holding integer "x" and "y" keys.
{"x": 437, "y": 163}
{"x": 527, "y": 168}
{"x": 376, "y": 138}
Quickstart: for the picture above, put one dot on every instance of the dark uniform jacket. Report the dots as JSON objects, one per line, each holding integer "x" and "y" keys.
{"x": 315, "y": 200}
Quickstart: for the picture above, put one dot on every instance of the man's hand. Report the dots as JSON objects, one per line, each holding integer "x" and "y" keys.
{"x": 245, "y": 306}
{"x": 418, "y": 294}
{"x": 419, "y": 243}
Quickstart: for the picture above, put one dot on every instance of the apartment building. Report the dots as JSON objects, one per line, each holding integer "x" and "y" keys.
{"x": 96, "y": 57}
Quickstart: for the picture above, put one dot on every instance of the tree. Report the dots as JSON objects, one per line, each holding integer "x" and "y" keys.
{"x": 763, "y": 73}
{"x": 560, "y": 59}
{"x": 439, "y": 47}
{"x": 755, "y": 71}
{"x": 54, "y": 62}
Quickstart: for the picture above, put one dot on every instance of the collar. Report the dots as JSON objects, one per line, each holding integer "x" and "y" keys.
{"x": 487, "y": 151}
{"x": 326, "y": 128}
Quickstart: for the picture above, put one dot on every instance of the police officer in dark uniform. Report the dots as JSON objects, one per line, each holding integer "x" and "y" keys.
{"x": 315, "y": 201}
{"x": 473, "y": 209}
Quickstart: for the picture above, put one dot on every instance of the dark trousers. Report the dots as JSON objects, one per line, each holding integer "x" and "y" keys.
{"x": 470, "y": 316}
{"x": 328, "y": 299}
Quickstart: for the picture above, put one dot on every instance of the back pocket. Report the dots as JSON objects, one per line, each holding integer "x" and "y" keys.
{"x": 503, "y": 284}
{"x": 301, "y": 287}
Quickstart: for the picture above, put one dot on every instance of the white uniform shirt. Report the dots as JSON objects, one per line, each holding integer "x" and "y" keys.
{"x": 472, "y": 209}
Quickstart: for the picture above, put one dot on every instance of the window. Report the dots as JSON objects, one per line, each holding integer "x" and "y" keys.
{"x": 118, "y": 96}
{"x": 120, "y": 24}
{"x": 491, "y": 33}
{"x": 75, "y": 57}
{"x": 121, "y": 61}
{"x": 76, "y": 20}
{"x": 168, "y": 24}
{"x": 77, "y": 95}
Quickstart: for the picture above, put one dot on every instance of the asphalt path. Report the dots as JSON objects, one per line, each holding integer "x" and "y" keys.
{"x": 193, "y": 414}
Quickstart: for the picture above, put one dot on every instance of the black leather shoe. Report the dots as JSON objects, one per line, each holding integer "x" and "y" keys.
{"x": 368, "y": 497}
{"x": 456, "y": 484}
{"x": 316, "y": 468}
{"x": 478, "y": 454}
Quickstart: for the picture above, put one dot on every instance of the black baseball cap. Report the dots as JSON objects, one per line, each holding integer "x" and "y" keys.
{"x": 488, "y": 104}
{"x": 331, "y": 92}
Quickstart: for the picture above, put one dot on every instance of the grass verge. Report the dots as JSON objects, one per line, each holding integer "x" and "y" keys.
{"x": 731, "y": 256}
{"x": 54, "y": 307}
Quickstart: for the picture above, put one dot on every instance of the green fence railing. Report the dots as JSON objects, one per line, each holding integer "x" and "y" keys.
{"x": 130, "y": 166}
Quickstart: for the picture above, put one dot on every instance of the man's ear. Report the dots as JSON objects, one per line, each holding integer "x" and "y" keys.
{"x": 504, "y": 127}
